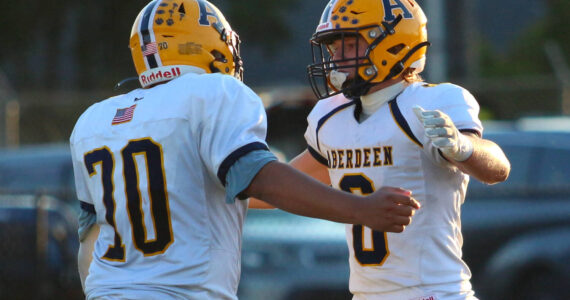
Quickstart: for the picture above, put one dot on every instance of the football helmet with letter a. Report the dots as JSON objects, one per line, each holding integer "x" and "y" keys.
{"x": 396, "y": 39}
{"x": 173, "y": 37}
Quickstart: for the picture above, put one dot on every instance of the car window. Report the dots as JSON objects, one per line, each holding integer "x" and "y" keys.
{"x": 554, "y": 172}
{"x": 29, "y": 174}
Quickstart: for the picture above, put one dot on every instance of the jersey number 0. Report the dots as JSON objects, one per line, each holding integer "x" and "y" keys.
{"x": 159, "y": 210}
{"x": 378, "y": 252}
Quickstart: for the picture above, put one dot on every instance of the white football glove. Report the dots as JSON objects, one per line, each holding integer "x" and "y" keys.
{"x": 443, "y": 134}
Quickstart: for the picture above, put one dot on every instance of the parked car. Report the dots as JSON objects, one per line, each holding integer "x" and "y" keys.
{"x": 38, "y": 169}
{"x": 516, "y": 234}
{"x": 286, "y": 256}
{"x": 38, "y": 248}
{"x": 38, "y": 224}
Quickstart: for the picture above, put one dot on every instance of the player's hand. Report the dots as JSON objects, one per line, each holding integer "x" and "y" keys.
{"x": 389, "y": 209}
{"x": 443, "y": 134}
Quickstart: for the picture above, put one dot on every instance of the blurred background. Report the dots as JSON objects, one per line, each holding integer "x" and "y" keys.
{"x": 58, "y": 57}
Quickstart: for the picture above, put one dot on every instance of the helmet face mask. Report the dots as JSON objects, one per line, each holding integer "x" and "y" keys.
{"x": 172, "y": 37}
{"x": 396, "y": 39}
{"x": 324, "y": 71}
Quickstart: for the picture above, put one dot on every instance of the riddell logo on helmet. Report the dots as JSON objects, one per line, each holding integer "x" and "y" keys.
{"x": 324, "y": 26}
{"x": 160, "y": 75}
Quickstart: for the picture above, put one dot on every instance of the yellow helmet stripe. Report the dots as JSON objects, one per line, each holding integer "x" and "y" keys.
{"x": 146, "y": 34}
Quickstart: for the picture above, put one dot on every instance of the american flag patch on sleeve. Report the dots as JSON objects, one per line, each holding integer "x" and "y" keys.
{"x": 123, "y": 115}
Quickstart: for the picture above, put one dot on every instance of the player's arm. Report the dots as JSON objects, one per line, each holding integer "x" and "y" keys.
{"x": 480, "y": 158}
{"x": 255, "y": 203}
{"x": 388, "y": 209}
{"x": 305, "y": 163}
{"x": 488, "y": 163}
{"x": 85, "y": 254}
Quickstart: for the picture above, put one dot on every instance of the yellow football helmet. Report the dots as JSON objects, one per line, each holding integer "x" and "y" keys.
{"x": 172, "y": 37}
{"x": 396, "y": 36}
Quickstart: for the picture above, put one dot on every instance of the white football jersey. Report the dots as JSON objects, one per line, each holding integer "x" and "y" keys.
{"x": 152, "y": 164}
{"x": 390, "y": 148}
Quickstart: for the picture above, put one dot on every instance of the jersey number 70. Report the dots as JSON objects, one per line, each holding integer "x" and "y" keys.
{"x": 160, "y": 212}
{"x": 378, "y": 252}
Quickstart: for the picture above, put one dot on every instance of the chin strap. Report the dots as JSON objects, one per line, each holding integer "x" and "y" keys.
{"x": 357, "y": 108}
{"x": 358, "y": 87}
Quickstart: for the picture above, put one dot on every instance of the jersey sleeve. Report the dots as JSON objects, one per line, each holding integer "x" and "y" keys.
{"x": 243, "y": 171}
{"x": 463, "y": 109}
{"x": 312, "y": 140}
{"x": 78, "y": 172}
{"x": 233, "y": 124}
{"x": 454, "y": 101}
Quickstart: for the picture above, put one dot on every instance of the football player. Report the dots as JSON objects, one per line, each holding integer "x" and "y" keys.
{"x": 158, "y": 169}
{"x": 378, "y": 124}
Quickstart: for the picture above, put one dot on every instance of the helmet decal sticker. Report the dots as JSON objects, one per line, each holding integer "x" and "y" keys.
{"x": 170, "y": 18}
{"x": 149, "y": 49}
{"x": 160, "y": 20}
{"x": 189, "y": 48}
{"x": 205, "y": 12}
{"x": 389, "y": 10}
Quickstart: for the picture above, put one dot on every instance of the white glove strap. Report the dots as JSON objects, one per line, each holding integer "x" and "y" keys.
{"x": 463, "y": 151}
